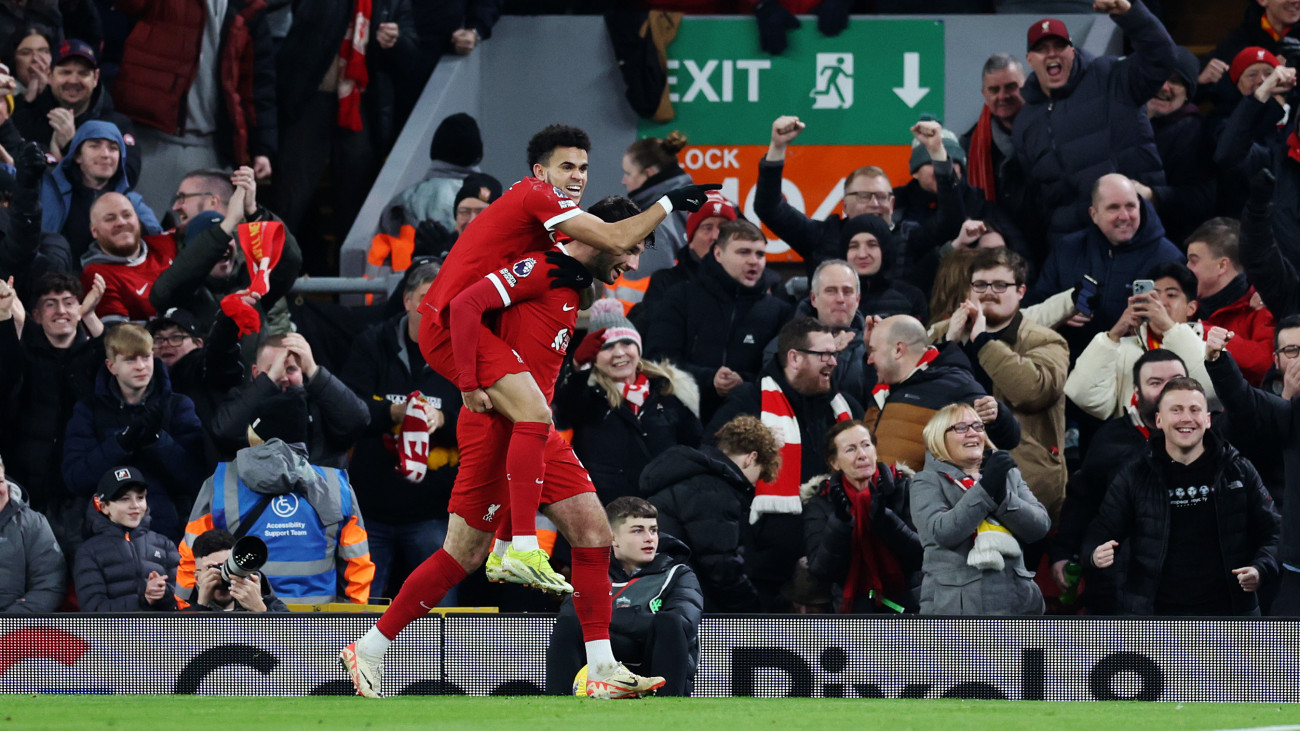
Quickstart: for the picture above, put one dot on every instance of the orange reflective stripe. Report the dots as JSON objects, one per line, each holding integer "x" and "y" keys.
{"x": 185, "y": 572}
{"x": 360, "y": 571}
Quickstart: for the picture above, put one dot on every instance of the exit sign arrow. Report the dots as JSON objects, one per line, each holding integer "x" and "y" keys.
{"x": 911, "y": 92}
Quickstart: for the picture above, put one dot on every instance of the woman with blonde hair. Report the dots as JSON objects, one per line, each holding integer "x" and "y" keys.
{"x": 624, "y": 411}
{"x": 974, "y": 513}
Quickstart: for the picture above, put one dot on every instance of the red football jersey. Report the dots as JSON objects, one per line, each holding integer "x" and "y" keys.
{"x": 127, "y": 286}
{"x": 518, "y": 222}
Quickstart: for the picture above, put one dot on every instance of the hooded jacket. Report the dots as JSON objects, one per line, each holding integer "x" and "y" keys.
{"x": 56, "y": 187}
{"x": 113, "y": 565}
{"x": 1136, "y": 513}
{"x": 1097, "y": 123}
{"x": 882, "y": 293}
{"x": 711, "y": 322}
{"x": 315, "y": 537}
{"x": 32, "y": 570}
{"x": 173, "y": 465}
{"x": 703, "y": 497}
{"x": 1088, "y": 251}
{"x": 615, "y": 444}
{"x": 670, "y": 234}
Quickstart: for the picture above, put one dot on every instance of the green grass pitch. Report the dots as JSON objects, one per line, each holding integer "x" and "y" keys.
{"x": 535, "y": 714}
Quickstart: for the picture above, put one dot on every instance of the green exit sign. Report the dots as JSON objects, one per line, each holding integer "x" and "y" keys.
{"x": 866, "y": 86}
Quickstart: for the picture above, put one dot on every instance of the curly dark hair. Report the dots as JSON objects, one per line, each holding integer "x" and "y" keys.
{"x": 745, "y": 434}
{"x": 544, "y": 143}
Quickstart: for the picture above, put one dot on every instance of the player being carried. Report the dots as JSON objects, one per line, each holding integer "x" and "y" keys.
{"x": 534, "y": 315}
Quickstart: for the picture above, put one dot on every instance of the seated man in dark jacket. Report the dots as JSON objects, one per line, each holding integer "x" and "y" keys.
{"x": 32, "y": 569}
{"x": 657, "y": 606}
{"x": 1187, "y": 529}
{"x": 704, "y": 496}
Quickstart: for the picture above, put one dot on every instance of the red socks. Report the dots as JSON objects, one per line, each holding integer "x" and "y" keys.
{"x": 423, "y": 589}
{"x": 525, "y": 466}
{"x": 591, "y": 591}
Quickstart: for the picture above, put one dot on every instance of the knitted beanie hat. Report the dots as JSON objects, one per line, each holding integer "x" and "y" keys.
{"x": 608, "y": 313}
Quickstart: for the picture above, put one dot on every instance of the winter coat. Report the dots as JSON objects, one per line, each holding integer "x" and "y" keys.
{"x": 431, "y": 199}
{"x": 186, "y": 284}
{"x": 33, "y": 572}
{"x": 32, "y": 120}
{"x": 703, "y": 498}
{"x": 173, "y": 465}
{"x": 1101, "y": 383}
{"x": 317, "y": 544}
{"x": 897, "y": 423}
{"x": 1252, "y": 347}
{"x": 686, "y": 269}
{"x": 615, "y": 444}
{"x": 1097, "y": 123}
{"x": 828, "y": 539}
{"x": 712, "y": 322}
{"x": 1028, "y": 374}
{"x": 379, "y": 374}
{"x": 1184, "y": 144}
{"x": 56, "y": 186}
{"x": 27, "y": 252}
{"x": 1088, "y": 251}
{"x": 338, "y": 417}
{"x": 670, "y": 235}
{"x": 884, "y": 296}
{"x": 161, "y": 62}
{"x": 1248, "y": 142}
{"x": 1278, "y": 424}
{"x": 113, "y": 565}
{"x": 43, "y": 383}
{"x": 946, "y": 517}
{"x": 206, "y": 374}
{"x": 1267, "y": 268}
{"x": 1136, "y": 513}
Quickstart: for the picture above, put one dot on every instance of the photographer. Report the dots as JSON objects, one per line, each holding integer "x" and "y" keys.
{"x": 252, "y": 593}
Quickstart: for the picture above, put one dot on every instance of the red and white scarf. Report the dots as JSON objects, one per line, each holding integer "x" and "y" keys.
{"x": 873, "y": 570}
{"x": 635, "y": 393}
{"x": 353, "y": 75}
{"x": 782, "y": 495}
{"x": 880, "y": 393}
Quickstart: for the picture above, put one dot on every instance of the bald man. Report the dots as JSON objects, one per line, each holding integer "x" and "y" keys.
{"x": 1123, "y": 242}
{"x": 130, "y": 263}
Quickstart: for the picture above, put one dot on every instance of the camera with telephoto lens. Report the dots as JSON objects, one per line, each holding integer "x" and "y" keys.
{"x": 246, "y": 557}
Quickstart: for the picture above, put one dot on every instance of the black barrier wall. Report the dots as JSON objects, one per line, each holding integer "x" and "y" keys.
{"x": 824, "y": 657}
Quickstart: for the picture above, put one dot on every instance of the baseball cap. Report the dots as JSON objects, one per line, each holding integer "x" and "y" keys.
{"x": 715, "y": 205}
{"x": 73, "y": 48}
{"x": 1248, "y": 57}
{"x": 177, "y": 318}
{"x": 117, "y": 481}
{"x": 1048, "y": 27}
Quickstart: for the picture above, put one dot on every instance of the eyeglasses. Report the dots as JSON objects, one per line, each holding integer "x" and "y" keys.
{"x": 824, "y": 356}
{"x": 173, "y": 340}
{"x": 980, "y": 286}
{"x": 467, "y": 212}
{"x": 869, "y": 196}
{"x": 976, "y": 427}
{"x": 180, "y": 197}
{"x": 1289, "y": 351}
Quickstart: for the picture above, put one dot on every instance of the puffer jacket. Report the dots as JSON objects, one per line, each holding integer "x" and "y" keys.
{"x": 1136, "y": 513}
{"x": 670, "y": 235}
{"x": 615, "y": 444}
{"x": 704, "y": 499}
{"x": 1097, "y": 123}
{"x": 113, "y": 565}
{"x": 946, "y": 517}
{"x": 711, "y": 322}
{"x": 32, "y": 570}
{"x": 828, "y": 539}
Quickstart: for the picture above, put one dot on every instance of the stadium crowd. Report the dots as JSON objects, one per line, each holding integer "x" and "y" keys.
{"x": 1055, "y": 370}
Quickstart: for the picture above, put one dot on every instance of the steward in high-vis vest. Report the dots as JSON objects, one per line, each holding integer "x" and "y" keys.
{"x": 307, "y": 514}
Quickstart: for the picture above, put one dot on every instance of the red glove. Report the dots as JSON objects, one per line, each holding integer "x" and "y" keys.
{"x": 585, "y": 355}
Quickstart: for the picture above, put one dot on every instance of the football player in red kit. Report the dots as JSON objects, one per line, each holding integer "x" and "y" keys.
{"x": 526, "y": 220}
{"x": 534, "y": 315}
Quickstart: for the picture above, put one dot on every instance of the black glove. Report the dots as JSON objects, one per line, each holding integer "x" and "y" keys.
{"x": 993, "y": 475}
{"x": 833, "y": 16}
{"x": 142, "y": 431}
{"x": 1093, "y": 300}
{"x": 1261, "y": 188}
{"x": 568, "y": 272}
{"x": 841, "y": 502}
{"x": 690, "y": 198}
{"x": 432, "y": 239}
{"x": 774, "y": 21}
{"x": 30, "y": 165}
